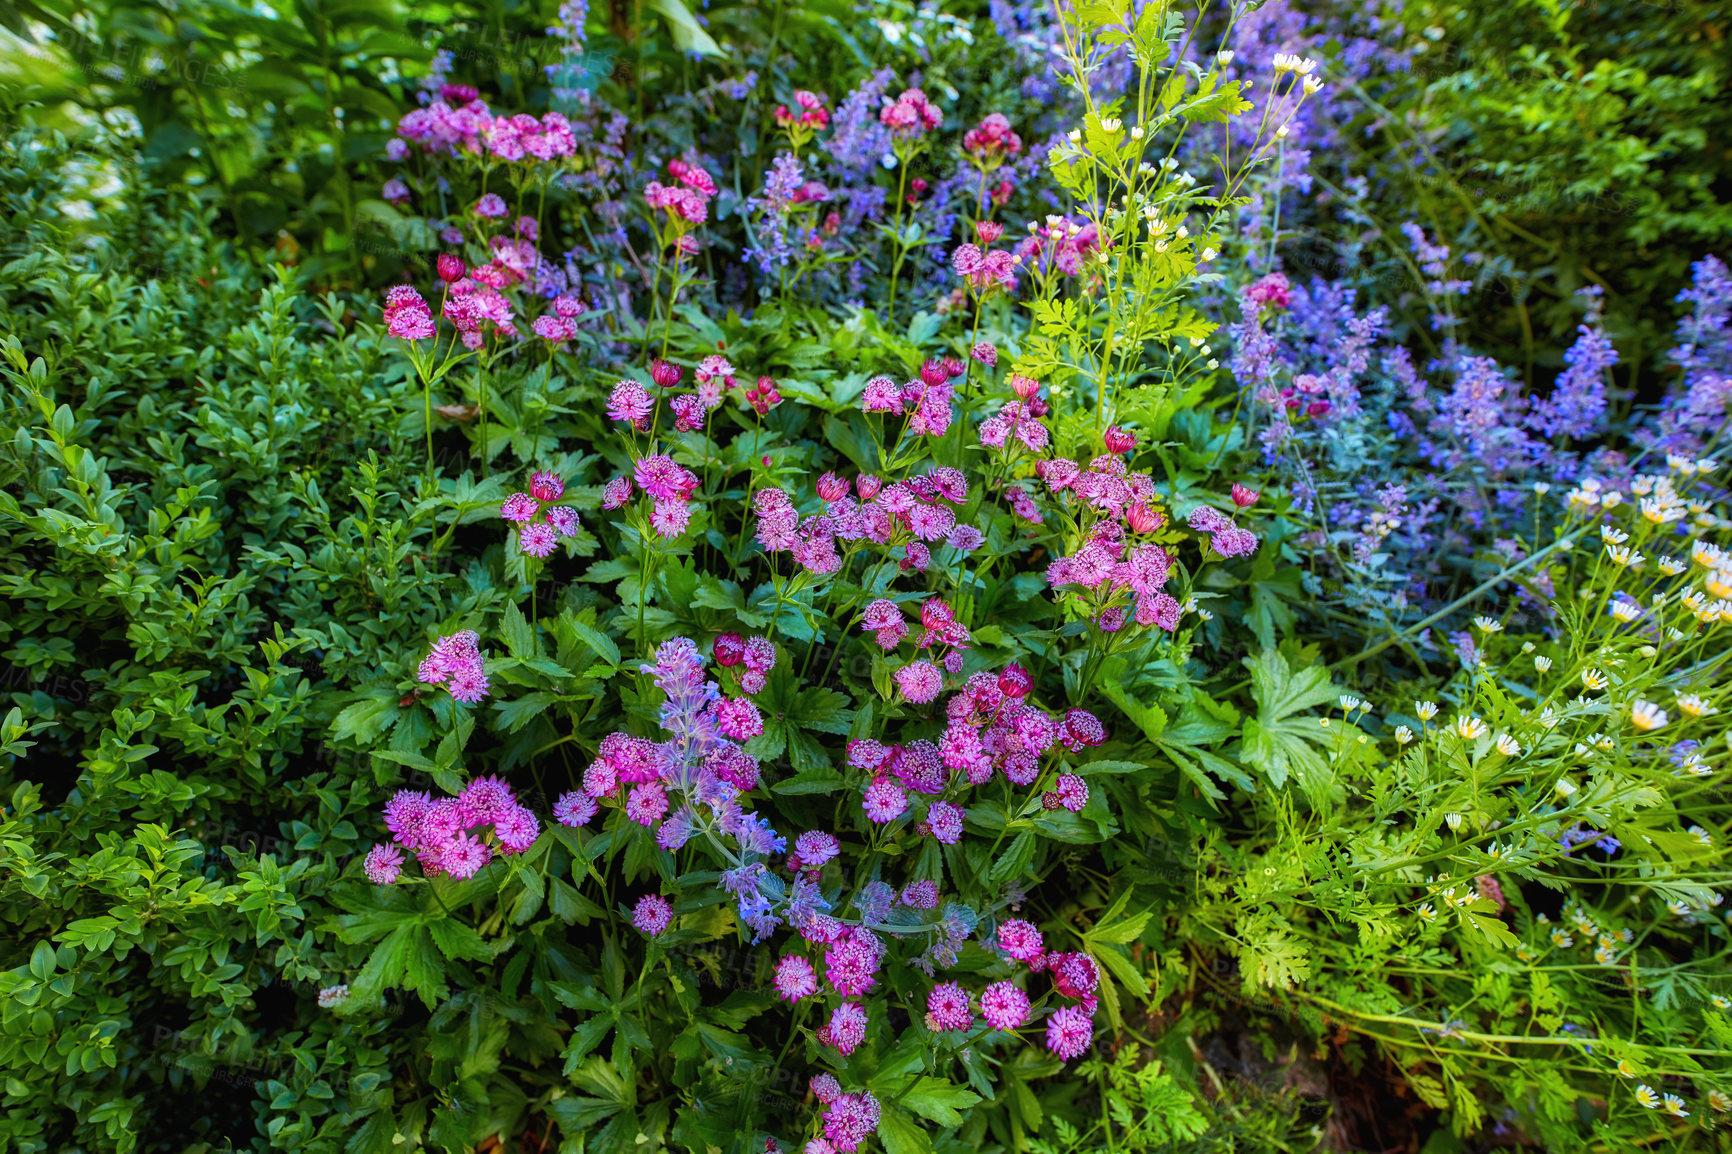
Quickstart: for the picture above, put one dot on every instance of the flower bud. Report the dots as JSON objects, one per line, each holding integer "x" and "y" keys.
{"x": 1144, "y": 519}
{"x": 1024, "y": 387}
{"x": 932, "y": 372}
{"x": 1243, "y": 497}
{"x": 867, "y": 486}
{"x": 831, "y": 487}
{"x": 1015, "y": 682}
{"x": 664, "y": 374}
{"x": 1119, "y": 441}
{"x": 451, "y": 268}
{"x": 730, "y": 650}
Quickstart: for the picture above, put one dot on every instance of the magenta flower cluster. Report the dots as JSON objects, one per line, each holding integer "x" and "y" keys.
{"x": 456, "y": 663}
{"x": 454, "y": 836}
{"x": 541, "y": 525}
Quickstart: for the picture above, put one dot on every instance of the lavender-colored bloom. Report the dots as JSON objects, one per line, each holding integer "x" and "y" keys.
{"x": 652, "y": 915}
{"x": 384, "y": 862}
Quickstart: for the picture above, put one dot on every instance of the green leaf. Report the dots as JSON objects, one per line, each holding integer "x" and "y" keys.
{"x": 902, "y": 1135}
{"x": 938, "y": 1100}
{"x": 519, "y": 636}
{"x": 688, "y": 34}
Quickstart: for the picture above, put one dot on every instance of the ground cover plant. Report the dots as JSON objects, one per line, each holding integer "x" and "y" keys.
{"x": 801, "y": 577}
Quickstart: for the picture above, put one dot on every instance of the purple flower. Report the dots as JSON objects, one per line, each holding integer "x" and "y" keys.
{"x": 795, "y": 978}
{"x": 920, "y": 682}
{"x": 847, "y": 1028}
{"x": 1069, "y": 1031}
{"x": 947, "y": 1008}
{"x": 1004, "y": 1006}
{"x": 575, "y": 808}
{"x": 384, "y": 862}
{"x": 652, "y": 915}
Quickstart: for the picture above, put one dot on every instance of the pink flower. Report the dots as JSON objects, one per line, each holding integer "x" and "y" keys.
{"x": 1207, "y": 520}
{"x": 1069, "y": 1031}
{"x": 851, "y": 963}
{"x": 825, "y": 1088}
{"x": 663, "y": 479}
{"x": 945, "y": 821}
{"x": 947, "y": 1008}
{"x": 647, "y": 804}
{"x": 849, "y": 1121}
{"x": 1004, "y": 1006}
{"x": 885, "y": 801}
{"x": 884, "y": 619}
{"x": 629, "y": 402}
{"x": 986, "y": 353}
{"x": 1014, "y": 681}
{"x": 881, "y": 396}
{"x": 738, "y": 719}
{"x": 831, "y": 487}
{"x": 464, "y": 857}
{"x": 688, "y": 413}
{"x": 1074, "y": 975}
{"x": 1244, "y": 498}
{"x": 920, "y": 682}
{"x": 451, "y": 268}
{"x": 1071, "y": 792}
{"x": 1019, "y": 940}
{"x": 546, "y": 487}
{"x": 537, "y": 540}
{"x": 814, "y": 848}
{"x": 1272, "y": 289}
{"x": 795, "y": 978}
{"x": 574, "y": 808}
{"x": 617, "y": 492}
{"x": 1158, "y": 609}
{"x": 921, "y": 895}
{"x": 730, "y": 650}
{"x": 563, "y": 518}
{"x": 847, "y": 1028}
{"x": 670, "y": 518}
{"x": 407, "y": 316}
{"x": 490, "y": 205}
{"x": 910, "y": 115}
{"x": 384, "y": 862}
{"x": 519, "y": 507}
{"x": 760, "y": 654}
{"x": 1119, "y": 441}
{"x": 652, "y": 915}
{"x": 456, "y": 663}
{"x": 1079, "y": 730}
{"x": 517, "y": 828}
{"x": 1233, "y": 541}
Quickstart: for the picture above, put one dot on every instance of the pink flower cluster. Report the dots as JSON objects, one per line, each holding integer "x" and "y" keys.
{"x": 456, "y": 663}
{"x": 1271, "y": 290}
{"x": 812, "y": 115}
{"x": 560, "y": 325}
{"x": 910, "y": 115}
{"x": 1076, "y": 976}
{"x": 757, "y": 654}
{"x": 984, "y": 270}
{"x": 541, "y": 525}
{"x": 669, "y": 486}
{"x": 914, "y": 514}
{"x": 1016, "y": 420}
{"x": 441, "y": 833}
{"x": 407, "y": 315}
{"x": 1226, "y": 538}
{"x": 849, "y": 1119}
{"x": 459, "y": 122}
{"x": 924, "y": 400}
{"x": 686, "y": 202}
{"x": 989, "y": 142}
